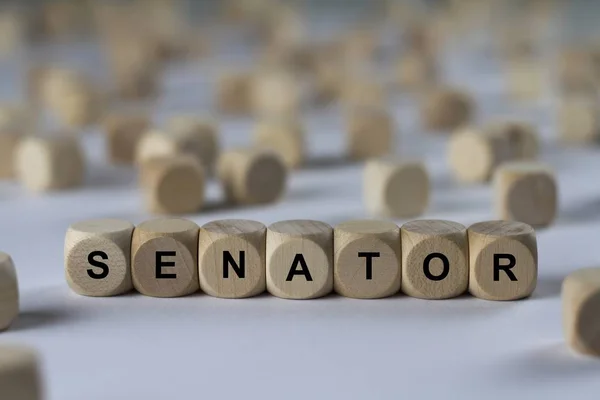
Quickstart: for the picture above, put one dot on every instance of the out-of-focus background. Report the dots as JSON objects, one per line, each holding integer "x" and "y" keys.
{"x": 91, "y": 92}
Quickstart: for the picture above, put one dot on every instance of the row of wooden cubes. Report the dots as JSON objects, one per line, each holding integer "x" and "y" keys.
{"x": 302, "y": 259}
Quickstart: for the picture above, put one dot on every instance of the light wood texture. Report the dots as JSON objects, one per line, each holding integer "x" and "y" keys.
{"x": 252, "y": 176}
{"x": 396, "y": 188}
{"x": 523, "y": 138}
{"x": 474, "y": 154}
{"x": 15, "y": 123}
{"x": 164, "y": 254}
{"x": 526, "y": 192}
{"x": 231, "y": 258}
{"x": 362, "y": 92}
{"x": 434, "y": 259}
{"x": 50, "y": 163}
{"x": 234, "y": 93}
{"x": 173, "y": 184}
{"x": 8, "y": 145}
{"x": 446, "y": 109}
{"x": 502, "y": 260}
{"x": 525, "y": 79}
{"x": 579, "y": 120}
{"x": 416, "y": 71}
{"x": 366, "y": 259}
{"x": 284, "y": 136}
{"x": 580, "y": 309}
{"x": 276, "y": 94}
{"x": 577, "y": 72}
{"x": 370, "y": 133}
{"x": 123, "y": 133}
{"x": 9, "y": 292}
{"x": 98, "y": 256}
{"x": 299, "y": 259}
{"x": 20, "y": 374}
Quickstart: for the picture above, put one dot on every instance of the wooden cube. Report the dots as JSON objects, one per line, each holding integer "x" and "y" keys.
{"x": 416, "y": 71}
{"x": 474, "y": 154}
{"x": 98, "y": 256}
{"x": 173, "y": 184}
{"x": 525, "y": 79}
{"x": 580, "y": 308}
{"x": 577, "y": 72}
{"x": 50, "y": 163}
{"x": 434, "y": 259}
{"x": 123, "y": 133}
{"x": 395, "y": 188}
{"x": 276, "y": 94}
{"x": 579, "y": 120}
{"x": 252, "y": 176}
{"x": 9, "y": 142}
{"x": 359, "y": 92}
{"x": 164, "y": 256}
{"x": 526, "y": 192}
{"x": 522, "y": 137}
{"x": 284, "y": 136}
{"x": 9, "y": 292}
{"x": 234, "y": 93}
{"x": 231, "y": 258}
{"x": 370, "y": 133}
{"x": 502, "y": 260}
{"x": 20, "y": 373}
{"x": 15, "y": 123}
{"x": 366, "y": 259}
{"x": 446, "y": 109}
{"x": 299, "y": 259}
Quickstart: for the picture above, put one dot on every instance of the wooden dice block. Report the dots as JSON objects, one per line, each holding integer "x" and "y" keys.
{"x": 50, "y": 163}
{"x": 234, "y": 93}
{"x": 395, "y": 188}
{"x": 577, "y": 72}
{"x": 502, "y": 260}
{"x": 579, "y": 120}
{"x": 359, "y": 92}
{"x": 164, "y": 254}
{"x": 276, "y": 94}
{"x": 366, "y": 259}
{"x": 446, "y": 109}
{"x": 123, "y": 133}
{"x": 231, "y": 258}
{"x": 20, "y": 375}
{"x": 97, "y": 257}
{"x": 196, "y": 136}
{"x": 416, "y": 71}
{"x": 9, "y": 292}
{"x": 15, "y": 122}
{"x": 474, "y": 154}
{"x": 370, "y": 133}
{"x": 522, "y": 137}
{"x": 299, "y": 259}
{"x": 434, "y": 259}
{"x": 173, "y": 184}
{"x": 526, "y": 192}
{"x": 581, "y": 305}
{"x": 8, "y": 145}
{"x": 252, "y": 176}
{"x": 525, "y": 79}
{"x": 284, "y": 136}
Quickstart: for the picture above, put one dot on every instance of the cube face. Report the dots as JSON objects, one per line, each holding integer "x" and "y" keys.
{"x": 299, "y": 259}
{"x": 370, "y": 134}
{"x": 503, "y": 260}
{"x": 123, "y": 133}
{"x": 578, "y": 121}
{"x": 97, "y": 257}
{"x": 231, "y": 258}
{"x": 285, "y": 138}
{"x": 434, "y": 259}
{"x": 367, "y": 259}
{"x": 9, "y": 292}
{"x": 19, "y": 374}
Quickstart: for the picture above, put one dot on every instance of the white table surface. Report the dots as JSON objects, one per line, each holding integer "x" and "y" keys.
{"x": 135, "y": 347}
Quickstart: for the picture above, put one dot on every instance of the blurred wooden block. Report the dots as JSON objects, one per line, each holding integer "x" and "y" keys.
{"x": 164, "y": 255}
{"x": 526, "y": 192}
{"x": 50, "y": 163}
{"x": 474, "y": 154}
{"x": 581, "y": 305}
{"x": 446, "y": 109}
{"x": 15, "y": 123}
{"x": 123, "y": 133}
{"x": 9, "y": 292}
{"x": 173, "y": 184}
{"x": 579, "y": 120}
{"x": 434, "y": 259}
{"x": 522, "y": 137}
{"x": 359, "y": 92}
{"x": 231, "y": 258}
{"x": 503, "y": 260}
{"x": 395, "y": 188}
{"x": 97, "y": 257}
{"x": 8, "y": 145}
{"x": 299, "y": 259}
{"x": 20, "y": 375}
{"x": 370, "y": 133}
{"x": 367, "y": 259}
{"x": 252, "y": 176}
{"x": 276, "y": 94}
{"x": 416, "y": 71}
{"x": 234, "y": 93}
{"x": 578, "y": 72}
{"x": 284, "y": 136}
{"x": 525, "y": 79}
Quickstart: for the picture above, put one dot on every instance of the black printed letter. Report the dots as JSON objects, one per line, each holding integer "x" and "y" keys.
{"x": 240, "y": 270}
{"x": 98, "y": 264}
{"x": 299, "y": 259}
{"x": 445, "y": 262}
{"x": 369, "y": 256}
{"x": 160, "y": 264}
{"x": 506, "y": 268}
